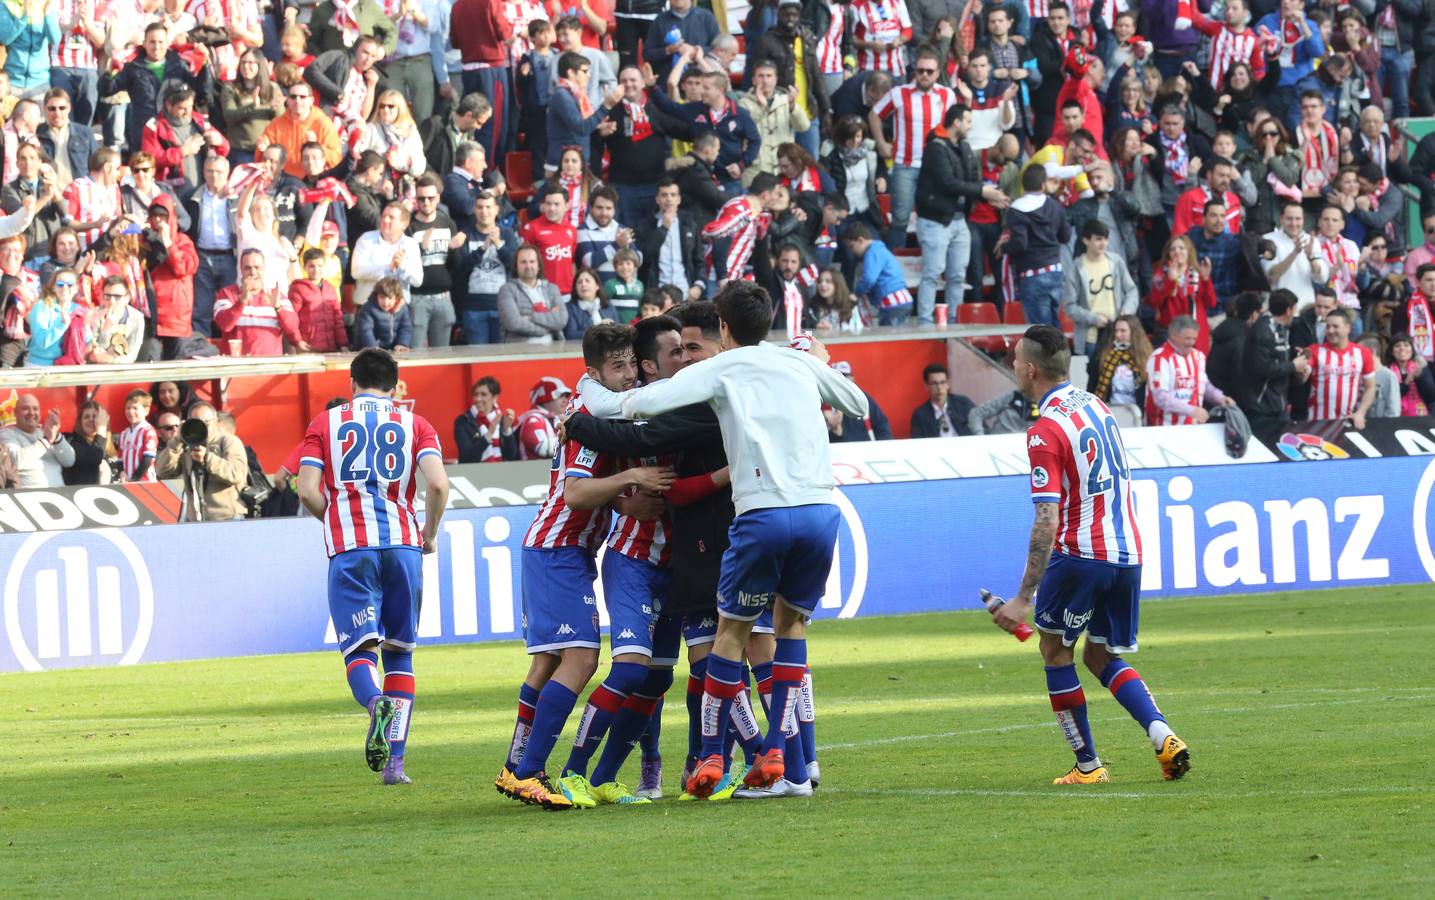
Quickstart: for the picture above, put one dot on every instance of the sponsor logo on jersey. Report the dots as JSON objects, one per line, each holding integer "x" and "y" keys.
{"x": 1039, "y": 478}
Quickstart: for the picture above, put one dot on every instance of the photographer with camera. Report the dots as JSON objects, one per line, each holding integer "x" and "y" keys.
{"x": 211, "y": 464}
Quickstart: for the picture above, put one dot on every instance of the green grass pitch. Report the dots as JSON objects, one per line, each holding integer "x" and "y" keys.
{"x": 1310, "y": 718}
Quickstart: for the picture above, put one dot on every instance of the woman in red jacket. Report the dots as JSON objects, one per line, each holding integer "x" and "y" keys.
{"x": 1179, "y": 288}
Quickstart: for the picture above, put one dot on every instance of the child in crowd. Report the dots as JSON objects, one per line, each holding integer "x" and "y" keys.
{"x": 625, "y": 290}
{"x": 316, "y": 303}
{"x": 139, "y": 443}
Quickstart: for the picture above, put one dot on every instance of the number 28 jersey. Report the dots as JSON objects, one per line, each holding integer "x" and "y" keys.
{"x": 1078, "y": 461}
{"x": 368, "y": 450}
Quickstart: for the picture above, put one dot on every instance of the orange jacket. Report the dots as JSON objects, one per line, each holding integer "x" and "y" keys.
{"x": 292, "y": 136}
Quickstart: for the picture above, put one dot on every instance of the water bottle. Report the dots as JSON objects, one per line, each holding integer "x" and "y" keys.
{"x": 992, "y": 601}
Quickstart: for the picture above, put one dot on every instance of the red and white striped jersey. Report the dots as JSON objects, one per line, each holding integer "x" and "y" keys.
{"x": 917, "y": 112}
{"x": 74, "y": 50}
{"x": 368, "y": 451}
{"x": 1038, "y": 9}
{"x": 745, "y": 226}
{"x": 520, "y": 14}
{"x": 137, "y": 442}
{"x": 881, "y": 20}
{"x": 1335, "y": 379}
{"x": 559, "y": 525}
{"x": 537, "y": 438}
{"x": 644, "y": 541}
{"x": 1078, "y": 461}
{"x": 1228, "y": 47}
{"x": 829, "y": 43}
{"x": 241, "y": 13}
{"x": 1183, "y": 376}
{"x": 87, "y": 200}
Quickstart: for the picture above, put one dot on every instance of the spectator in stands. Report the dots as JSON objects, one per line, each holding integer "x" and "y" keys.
{"x": 536, "y": 75}
{"x": 387, "y": 253}
{"x": 281, "y": 188}
{"x": 392, "y": 133}
{"x": 316, "y": 306}
{"x": 138, "y": 444}
{"x": 883, "y": 283}
{"x": 254, "y": 312}
{"x": 443, "y": 134}
{"x": 301, "y": 123}
{"x": 537, "y": 426}
{"x": 944, "y": 414}
{"x": 1177, "y": 388}
{"x": 530, "y": 309}
{"x": 1298, "y": 266}
{"x": 49, "y": 319}
{"x": 1181, "y": 286}
{"x": 1180, "y": 153}
{"x": 366, "y": 18}
{"x": 141, "y": 189}
{"x": 572, "y": 117}
{"x": 66, "y": 142}
{"x": 775, "y": 113}
{"x": 213, "y": 230}
{"x": 555, "y": 238}
{"x": 1387, "y": 383}
{"x": 1039, "y": 232}
{"x": 485, "y": 259}
{"x": 638, "y": 147}
{"x": 384, "y": 319}
{"x": 213, "y": 472}
{"x": 1416, "y": 315}
{"x": 480, "y": 31}
{"x": 440, "y": 242}
{"x": 1099, "y": 289}
{"x": 738, "y": 140}
{"x": 92, "y": 445}
{"x": 142, "y": 78}
{"x": 465, "y": 182}
{"x": 418, "y": 52}
{"x": 258, "y": 228}
{"x": 1417, "y": 384}
{"x": 680, "y": 31}
{"x": 93, "y": 201}
{"x": 569, "y": 32}
{"x": 1217, "y": 247}
{"x": 179, "y": 140}
{"x": 484, "y": 432}
{"x": 1422, "y": 255}
{"x": 915, "y": 109}
{"x": 601, "y": 236}
{"x": 38, "y": 451}
{"x": 170, "y": 397}
{"x": 172, "y": 262}
{"x": 1342, "y": 374}
{"x": 1117, "y": 371}
{"x": 697, "y": 178}
{"x": 670, "y": 241}
{"x": 248, "y": 104}
{"x": 1228, "y": 343}
{"x": 1267, "y": 368}
{"x": 789, "y": 44}
{"x": 119, "y": 327}
{"x": 1009, "y": 413}
{"x": 345, "y": 81}
{"x": 35, "y": 178}
{"x": 587, "y": 306}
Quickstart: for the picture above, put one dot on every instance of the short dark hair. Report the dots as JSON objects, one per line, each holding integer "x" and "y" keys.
{"x": 699, "y": 314}
{"x": 764, "y": 182}
{"x": 1095, "y": 228}
{"x": 667, "y": 181}
{"x": 367, "y": 161}
{"x": 430, "y": 179}
{"x": 645, "y": 341}
{"x": 1081, "y": 134}
{"x": 1370, "y": 171}
{"x": 1216, "y": 201}
{"x": 1070, "y": 103}
{"x": 1046, "y": 346}
{"x": 1246, "y": 304}
{"x": 933, "y": 369}
{"x": 857, "y": 231}
{"x": 571, "y": 62}
{"x": 604, "y": 339}
{"x": 603, "y": 193}
{"x": 954, "y": 112}
{"x": 374, "y": 367}
{"x": 836, "y": 200}
{"x": 1034, "y": 178}
{"x": 747, "y": 310}
{"x": 1420, "y": 272}
{"x": 551, "y": 188}
{"x": 1282, "y": 301}
{"x": 789, "y": 247}
{"x": 1058, "y": 4}
{"x": 311, "y": 255}
{"x": 1346, "y": 314}
{"x": 489, "y": 382}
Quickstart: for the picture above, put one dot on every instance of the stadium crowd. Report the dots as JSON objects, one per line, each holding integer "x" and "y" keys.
{"x": 1210, "y": 197}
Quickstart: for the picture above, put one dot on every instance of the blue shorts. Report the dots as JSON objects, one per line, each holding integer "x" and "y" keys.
{"x": 699, "y": 629}
{"x": 560, "y": 609}
{"x": 763, "y": 623}
{"x": 783, "y": 550}
{"x": 374, "y": 595}
{"x": 1099, "y": 598}
{"x": 634, "y": 592}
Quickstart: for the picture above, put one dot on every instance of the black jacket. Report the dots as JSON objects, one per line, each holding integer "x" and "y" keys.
{"x": 327, "y": 75}
{"x": 634, "y": 162}
{"x": 776, "y": 47}
{"x": 139, "y": 82}
{"x": 924, "y": 420}
{"x": 1223, "y": 362}
{"x": 471, "y": 446}
{"x": 49, "y": 218}
{"x": 702, "y": 197}
{"x": 651, "y": 235}
{"x": 1266, "y": 369}
{"x": 438, "y": 148}
{"x": 699, "y": 529}
{"x": 1049, "y": 61}
{"x": 949, "y": 181}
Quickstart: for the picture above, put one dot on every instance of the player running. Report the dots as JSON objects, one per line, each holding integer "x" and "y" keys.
{"x": 768, "y": 401}
{"x": 1081, "y": 486}
{"x": 560, "y": 609}
{"x": 357, "y": 475}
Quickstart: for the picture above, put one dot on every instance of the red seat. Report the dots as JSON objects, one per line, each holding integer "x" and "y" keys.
{"x": 1013, "y": 314}
{"x": 982, "y": 314}
{"x": 518, "y": 169}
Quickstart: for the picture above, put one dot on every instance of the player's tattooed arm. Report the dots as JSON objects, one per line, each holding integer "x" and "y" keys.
{"x": 1038, "y": 552}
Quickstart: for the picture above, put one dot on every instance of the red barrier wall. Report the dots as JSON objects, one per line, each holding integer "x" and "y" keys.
{"x": 273, "y": 411}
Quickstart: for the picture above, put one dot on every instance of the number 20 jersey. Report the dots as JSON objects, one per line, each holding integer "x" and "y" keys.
{"x": 368, "y": 450}
{"x": 1079, "y": 462}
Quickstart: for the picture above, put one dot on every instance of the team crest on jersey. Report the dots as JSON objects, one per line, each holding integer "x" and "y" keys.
{"x": 1039, "y": 478}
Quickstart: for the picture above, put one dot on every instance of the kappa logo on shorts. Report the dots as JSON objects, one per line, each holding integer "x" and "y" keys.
{"x": 1046, "y": 617}
{"x": 627, "y": 635}
{"x": 343, "y": 637}
{"x": 708, "y": 623}
{"x": 565, "y": 628}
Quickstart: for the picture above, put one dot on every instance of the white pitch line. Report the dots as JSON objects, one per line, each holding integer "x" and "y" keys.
{"x": 1021, "y": 726}
{"x": 1097, "y": 792}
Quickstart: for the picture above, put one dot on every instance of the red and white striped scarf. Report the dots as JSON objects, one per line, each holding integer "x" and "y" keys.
{"x": 1178, "y": 161}
{"x": 1190, "y": 289}
{"x": 346, "y": 20}
{"x": 577, "y": 202}
{"x": 245, "y": 174}
{"x": 1342, "y": 267}
{"x": 1322, "y": 155}
{"x": 793, "y": 305}
{"x": 637, "y": 128}
{"x": 1421, "y": 333}
{"x": 331, "y": 189}
{"x": 490, "y": 432}
{"x": 350, "y": 106}
{"x": 810, "y": 180}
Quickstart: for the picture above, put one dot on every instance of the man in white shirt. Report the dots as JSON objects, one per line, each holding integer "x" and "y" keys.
{"x": 1298, "y": 266}
{"x": 387, "y": 253}
{"x": 211, "y": 214}
{"x": 768, "y": 401}
{"x": 39, "y": 453}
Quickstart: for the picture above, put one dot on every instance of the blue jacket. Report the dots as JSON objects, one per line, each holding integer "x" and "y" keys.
{"x": 48, "y": 325}
{"x": 1306, "y": 52}
{"x": 698, "y": 28}
{"x": 81, "y": 144}
{"x": 881, "y": 274}
{"x": 738, "y": 137}
{"x": 568, "y": 128}
{"x": 29, "y": 43}
{"x": 580, "y": 321}
{"x": 375, "y": 328}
